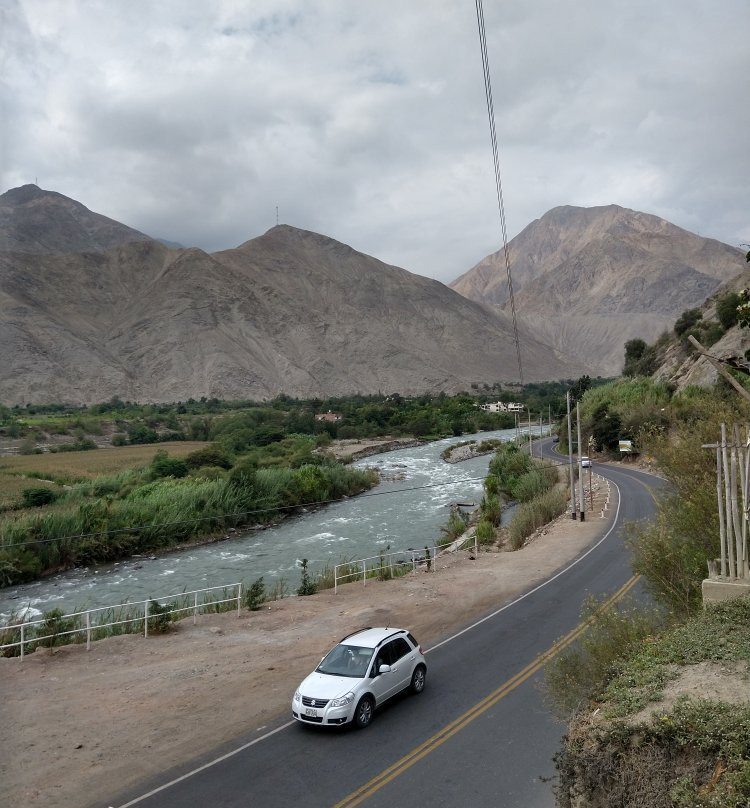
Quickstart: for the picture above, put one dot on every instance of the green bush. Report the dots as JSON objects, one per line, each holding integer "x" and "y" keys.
{"x": 37, "y": 496}
{"x": 672, "y": 550}
{"x": 307, "y": 585}
{"x": 534, "y": 514}
{"x": 528, "y": 486}
{"x": 491, "y": 509}
{"x": 54, "y": 626}
{"x": 582, "y": 672}
{"x": 485, "y": 532}
{"x": 208, "y": 456}
{"x": 687, "y": 320}
{"x": 165, "y": 466}
{"x": 256, "y": 595}
{"x": 160, "y": 617}
{"x": 726, "y": 309}
{"x": 210, "y": 473}
{"x": 455, "y": 527}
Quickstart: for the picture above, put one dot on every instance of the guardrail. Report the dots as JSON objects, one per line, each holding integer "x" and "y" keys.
{"x": 389, "y": 565}
{"x": 137, "y": 612}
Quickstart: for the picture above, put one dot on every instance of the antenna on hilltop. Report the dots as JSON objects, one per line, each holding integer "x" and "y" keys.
{"x": 277, "y": 215}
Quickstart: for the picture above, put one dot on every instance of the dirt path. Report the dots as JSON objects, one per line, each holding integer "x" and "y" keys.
{"x": 78, "y": 727}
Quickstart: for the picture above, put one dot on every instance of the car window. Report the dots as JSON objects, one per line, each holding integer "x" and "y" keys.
{"x": 346, "y": 660}
{"x": 399, "y": 648}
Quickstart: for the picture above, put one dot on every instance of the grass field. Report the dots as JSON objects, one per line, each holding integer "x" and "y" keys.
{"x": 23, "y": 471}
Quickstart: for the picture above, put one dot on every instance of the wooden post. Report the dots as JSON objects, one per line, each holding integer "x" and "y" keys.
{"x": 720, "y": 502}
{"x": 727, "y": 500}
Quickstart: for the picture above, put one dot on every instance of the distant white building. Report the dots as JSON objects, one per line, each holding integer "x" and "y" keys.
{"x": 501, "y": 406}
{"x": 328, "y": 416}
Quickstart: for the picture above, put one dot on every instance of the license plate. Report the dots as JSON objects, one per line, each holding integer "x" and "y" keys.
{"x": 310, "y": 711}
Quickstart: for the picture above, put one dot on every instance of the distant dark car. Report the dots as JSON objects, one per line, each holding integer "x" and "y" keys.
{"x": 555, "y": 439}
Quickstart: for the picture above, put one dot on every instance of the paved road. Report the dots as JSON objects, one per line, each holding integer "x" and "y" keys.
{"x": 479, "y": 735}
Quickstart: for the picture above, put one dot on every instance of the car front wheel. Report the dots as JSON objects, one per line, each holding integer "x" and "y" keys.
{"x": 363, "y": 713}
{"x": 418, "y": 679}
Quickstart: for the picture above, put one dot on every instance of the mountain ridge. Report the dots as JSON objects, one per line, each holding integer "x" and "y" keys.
{"x": 290, "y": 311}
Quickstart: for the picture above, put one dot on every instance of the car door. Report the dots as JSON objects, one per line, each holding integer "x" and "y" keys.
{"x": 384, "y": 685}
{"x": 401, "y": 657}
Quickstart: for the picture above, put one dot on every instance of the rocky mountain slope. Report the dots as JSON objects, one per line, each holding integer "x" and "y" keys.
{"x": 45, "y": 222}
{"x": 90, "y": 309}
{"x": 589, "y": 279}
{"x": 682, "y": 368}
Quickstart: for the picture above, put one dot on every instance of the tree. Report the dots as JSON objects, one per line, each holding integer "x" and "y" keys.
{"x": 640, "y": 358}
{"x": 726, "y": 309}
{"x": 580, "y": 387}
{"x": 606, "y": 428}
{"x": 687, "y": 320}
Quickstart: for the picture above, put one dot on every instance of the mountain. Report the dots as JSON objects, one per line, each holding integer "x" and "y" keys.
{"x": 586, "y": 280}
{"x": 107, "y": 311}
{"x": 45, "y": 222}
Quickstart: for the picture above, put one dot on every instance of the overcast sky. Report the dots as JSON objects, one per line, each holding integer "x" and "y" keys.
{"x": 192, "y": 120}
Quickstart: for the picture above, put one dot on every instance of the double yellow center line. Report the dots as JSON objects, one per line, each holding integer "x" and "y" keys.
{"x": 449, "y": 730}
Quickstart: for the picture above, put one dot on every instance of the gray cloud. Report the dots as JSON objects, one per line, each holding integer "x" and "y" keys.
{"x": 192, "y": 121}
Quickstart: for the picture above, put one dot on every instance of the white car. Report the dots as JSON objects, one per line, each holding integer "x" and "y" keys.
{"x": 360, "y": 673}
{"x": 585, "y": 462}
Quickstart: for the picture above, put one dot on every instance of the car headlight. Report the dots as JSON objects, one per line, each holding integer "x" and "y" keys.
{"x": 343, "y": 701}
{"x": 297, "y": 696}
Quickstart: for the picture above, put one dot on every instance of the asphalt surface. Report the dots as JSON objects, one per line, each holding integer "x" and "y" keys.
{"x": 479, "y": 735}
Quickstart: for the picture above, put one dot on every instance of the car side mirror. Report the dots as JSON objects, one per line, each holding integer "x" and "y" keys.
{"x": 384, "y": 669}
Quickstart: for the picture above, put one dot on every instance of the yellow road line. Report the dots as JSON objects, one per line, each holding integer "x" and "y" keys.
{"x": 440, "y": 737}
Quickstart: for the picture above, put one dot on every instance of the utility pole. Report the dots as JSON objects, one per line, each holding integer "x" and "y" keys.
{"x": 574, "y": 509}
{"x": 580, "y": 467}
{"x": 540, "y": 436}
{"x": 528, "y": 426}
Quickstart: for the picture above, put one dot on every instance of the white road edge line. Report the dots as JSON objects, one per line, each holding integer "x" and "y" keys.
{"x": 434, "y": 647}
{"x": 206, "y": 765}
{"x": 536, "y": 588}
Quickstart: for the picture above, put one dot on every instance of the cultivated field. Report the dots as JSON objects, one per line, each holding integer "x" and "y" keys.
{"x": 22, "y": 471}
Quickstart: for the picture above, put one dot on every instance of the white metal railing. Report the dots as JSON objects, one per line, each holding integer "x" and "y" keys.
{"x": 137, "y": 612}
{"x": 375, "y": 566}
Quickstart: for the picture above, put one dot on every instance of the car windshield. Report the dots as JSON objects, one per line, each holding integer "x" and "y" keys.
{"x": 346, "y": 660}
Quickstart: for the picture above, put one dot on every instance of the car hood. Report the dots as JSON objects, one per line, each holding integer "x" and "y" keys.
{"x": 324, "y": 686}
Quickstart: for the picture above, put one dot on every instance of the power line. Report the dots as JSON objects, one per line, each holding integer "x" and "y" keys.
{"x": 498, "y": 181}
{"x": 242, "y": 514}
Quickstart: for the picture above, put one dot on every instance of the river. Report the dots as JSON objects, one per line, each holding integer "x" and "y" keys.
{"x": 406, "y": 509}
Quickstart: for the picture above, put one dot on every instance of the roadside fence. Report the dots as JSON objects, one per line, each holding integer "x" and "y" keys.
{"x": 384, "y": 566}
{"x": 134, "y": 617}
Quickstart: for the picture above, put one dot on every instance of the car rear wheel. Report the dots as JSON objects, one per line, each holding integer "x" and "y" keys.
{"x": 418, "y": 679}
{"x": 363, "y": 713}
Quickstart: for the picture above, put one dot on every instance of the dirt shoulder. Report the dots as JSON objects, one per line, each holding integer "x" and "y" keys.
{"x": 80, "y": 727}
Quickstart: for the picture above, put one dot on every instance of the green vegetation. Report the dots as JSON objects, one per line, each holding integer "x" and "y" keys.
{"x": 141, "y": 510}
{"x": 619, "y": 409}
{"x": 534, "y": 514}
{"x": 454, "y": 528}
{"x": 695, "y": 753}
{"x": 256, "y": 595}
{"x": 307, "y": 586}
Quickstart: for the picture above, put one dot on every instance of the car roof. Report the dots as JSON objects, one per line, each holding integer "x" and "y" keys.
{"x": 372, "y": 637}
